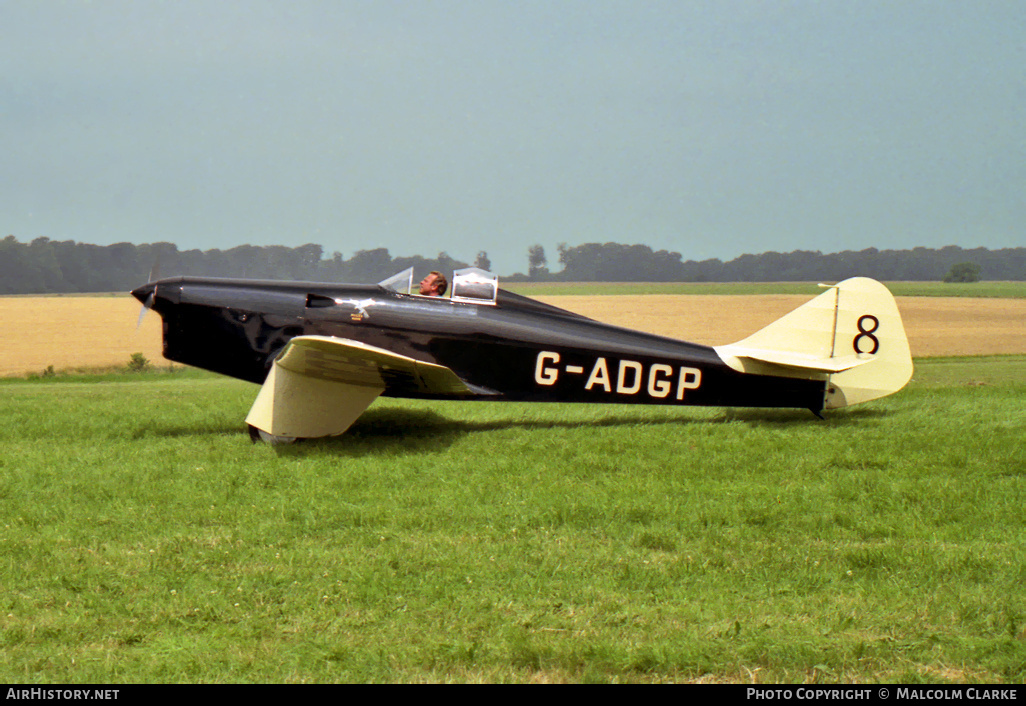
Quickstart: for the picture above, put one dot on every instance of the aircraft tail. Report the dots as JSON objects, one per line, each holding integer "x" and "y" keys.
{"x": 851, "y": 336}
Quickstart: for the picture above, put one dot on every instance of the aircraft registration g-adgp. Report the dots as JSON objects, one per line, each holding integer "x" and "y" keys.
{"x": 323, "y": 352}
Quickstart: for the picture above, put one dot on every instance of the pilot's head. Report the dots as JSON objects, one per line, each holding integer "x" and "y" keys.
{"x": 434, "y": 285}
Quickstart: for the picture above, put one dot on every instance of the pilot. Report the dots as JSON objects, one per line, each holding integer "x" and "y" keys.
{"x": 434, "y": 285}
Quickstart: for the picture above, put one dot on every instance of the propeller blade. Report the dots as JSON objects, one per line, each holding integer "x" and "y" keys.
{"x": 146, "y": 297}
{"x": 147, "y": 305}
{"x": 145, "y": 294}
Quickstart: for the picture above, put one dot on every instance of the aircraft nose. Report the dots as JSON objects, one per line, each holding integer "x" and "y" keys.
{"x": 144, "y": 292}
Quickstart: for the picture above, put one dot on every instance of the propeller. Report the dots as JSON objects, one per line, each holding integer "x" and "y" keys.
{"x": 147, "y": 293}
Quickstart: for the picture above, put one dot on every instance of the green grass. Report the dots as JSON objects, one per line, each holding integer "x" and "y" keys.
{"x": 1013, "y": 290}
{"x": 969, "y": 371}
{"x": 144, "y": 539}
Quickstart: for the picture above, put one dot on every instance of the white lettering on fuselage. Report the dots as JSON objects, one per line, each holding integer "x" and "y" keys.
{"x": 631, "y": 376}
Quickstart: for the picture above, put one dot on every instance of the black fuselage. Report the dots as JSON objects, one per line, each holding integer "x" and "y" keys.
{"x": 514, "y": 349}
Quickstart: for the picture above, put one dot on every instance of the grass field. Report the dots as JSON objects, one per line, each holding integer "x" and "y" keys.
{"x": 146, "y": 540}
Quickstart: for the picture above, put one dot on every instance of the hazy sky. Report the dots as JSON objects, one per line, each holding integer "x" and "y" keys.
{"x": 707, "y": 128}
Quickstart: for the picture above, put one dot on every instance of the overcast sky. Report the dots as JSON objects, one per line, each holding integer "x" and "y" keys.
{"x": 707, "y": 128}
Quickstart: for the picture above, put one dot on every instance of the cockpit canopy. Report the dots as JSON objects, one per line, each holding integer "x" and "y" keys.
{"x": 470, "y": 285}
{"x": 401, "y": 282}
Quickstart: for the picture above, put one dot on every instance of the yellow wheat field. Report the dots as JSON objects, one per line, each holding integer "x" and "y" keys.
{"x": 73, "y": 332}
{"x": 936, "y": 326}
{"x": 76, "y": 332}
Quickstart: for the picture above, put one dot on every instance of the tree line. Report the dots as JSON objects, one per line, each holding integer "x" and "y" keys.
{"x": 633, "y": 263}
{"x": 47, "y": 266}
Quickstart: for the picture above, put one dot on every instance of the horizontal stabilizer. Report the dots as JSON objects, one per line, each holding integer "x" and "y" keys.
{"x": 801, "y": 361}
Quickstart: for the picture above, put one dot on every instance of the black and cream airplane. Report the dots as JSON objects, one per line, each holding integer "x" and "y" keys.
{"x": 323, "y": 353}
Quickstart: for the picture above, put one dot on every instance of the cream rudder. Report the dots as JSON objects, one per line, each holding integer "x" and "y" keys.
{"x": 850, "y": 336}
{"x": 868, "y": 326}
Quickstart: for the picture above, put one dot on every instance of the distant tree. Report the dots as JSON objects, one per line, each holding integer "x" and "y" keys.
{"x": 446, "y": 263}
{"x": 246, "y": 261}
{"x": 308, "y": 258}
{"x": 369, "y": 265}
{"x": 615, "y": 262}
{"x": 963, "y": 272}
{"x": 482, "y": 261}
{"x": 536, "y": 262}
{"x": 330, "y": 270}
{"x": 50, "y": 278}
{"x": 17, "y": 276}
{"x": 162, "y": 259}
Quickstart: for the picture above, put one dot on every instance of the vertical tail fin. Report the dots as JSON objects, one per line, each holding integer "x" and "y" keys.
{"x": 850, "y": 336}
